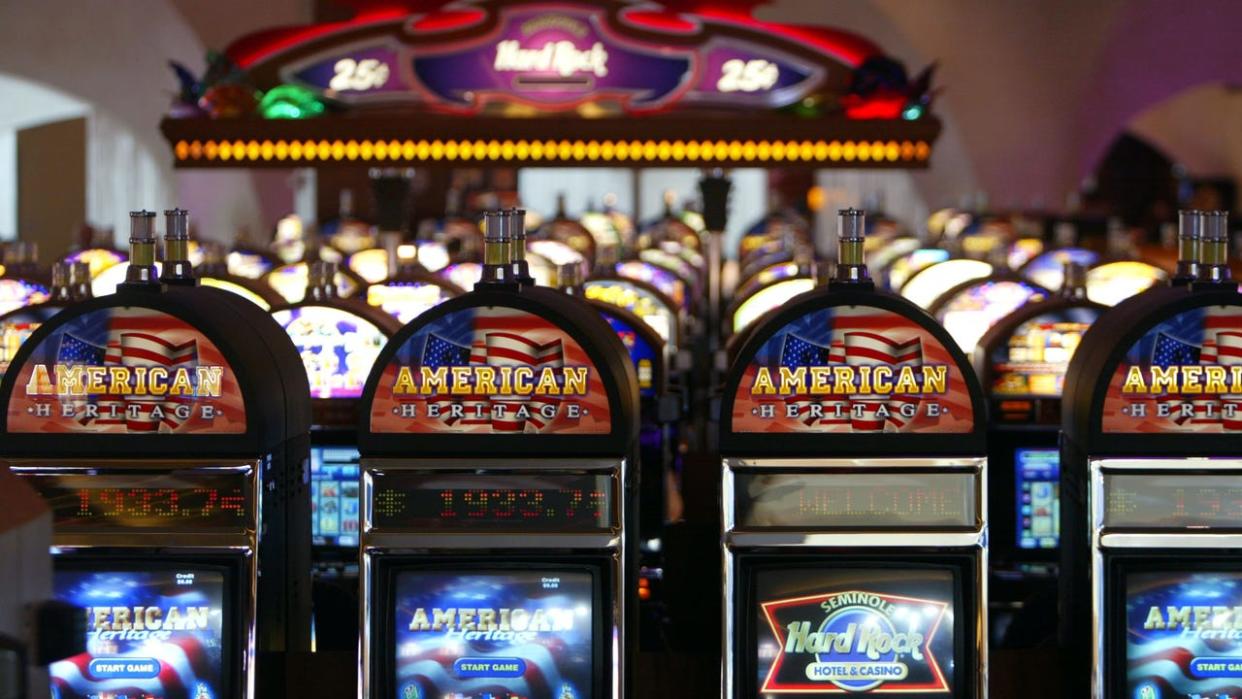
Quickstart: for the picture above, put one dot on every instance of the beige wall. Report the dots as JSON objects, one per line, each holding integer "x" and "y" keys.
{"x": 51, "y": 184}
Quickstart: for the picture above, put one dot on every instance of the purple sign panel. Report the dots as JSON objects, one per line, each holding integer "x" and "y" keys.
{"x": 557, "y": 59}
{"x": 735, "y": 72}
{"x": 366, "y": 71}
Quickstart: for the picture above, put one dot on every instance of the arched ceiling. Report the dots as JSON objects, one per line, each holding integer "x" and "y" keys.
{"x": 1200, "y": 129}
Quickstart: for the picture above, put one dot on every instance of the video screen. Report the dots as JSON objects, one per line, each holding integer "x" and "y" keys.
{"x": 1181, "y": 637}
{"x": 842, "y": 630}
{"x": 1033, "y": 361}
{"x": 335, "y": 480}
{"x": 493, "y": 634}
{"x": 151, "y": 634}
{"x": 337, "y": 348}
{"x": 1037, "y": 476}
{"x": 973, "y": 311}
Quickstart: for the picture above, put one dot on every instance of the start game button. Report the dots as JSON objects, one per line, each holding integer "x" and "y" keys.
{"x": 1206, "y": 666}
{"x": 124, "y": 668}
{"x": 489, "y": 667}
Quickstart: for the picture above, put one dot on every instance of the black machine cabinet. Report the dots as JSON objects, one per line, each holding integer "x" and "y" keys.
{"x": 1021, "y": 362}
{"x": 854, "y": 509}
{"x": 1151, "y": 486}
{"x": 499, "y": 442}
{"x": 182, "y": 492}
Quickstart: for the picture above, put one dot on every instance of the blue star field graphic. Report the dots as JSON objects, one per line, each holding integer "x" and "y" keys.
{"x": 75, "y": 351}
{"x": 438, "y": 352}
{"x": 1170, "y": 351}
{"x": 798, "y": 352}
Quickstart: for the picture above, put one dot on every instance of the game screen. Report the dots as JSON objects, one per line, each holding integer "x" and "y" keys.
{"x": 151, "y": 634}
{"x": 234, "y": 288}
{"x": 337, "y": 348}
{"x": 642, "y": 354}
{"x": 96, "y": 259}
{"x": 1034, "y": 359}
{"x": 928, "y": 285}
{"x": 638, "y": 300}
{"x": 493, "y": 635}
{"x": 831, "y": 630}
{"x": 15, "y": 293}
{"x": 335, "y": 477}
{"x": 1037, "y": 476}
{"x": 969, "y": 314}
{"x": 660, "y": 278}
{"x": 1181, "y": 638}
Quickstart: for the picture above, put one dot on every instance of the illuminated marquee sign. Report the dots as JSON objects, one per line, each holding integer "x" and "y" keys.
{"x": 491, "y": 370}
{"x": 853, "y": 370}
{"x": 1183, "y": 375}
{"x": 559, "y": 57}
{"x": 855, "y": 641}
{"x": 126, "y": 370}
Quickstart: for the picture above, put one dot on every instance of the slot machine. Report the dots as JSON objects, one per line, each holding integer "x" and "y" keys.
{"x": 1021, "y": 362}
{"x": 337, "y": 340}
{"x": 854, "y": 467}
{"x": 499, "y": 488}
{"x": 189, "y": 442}
{"x": 1151, "y": 483}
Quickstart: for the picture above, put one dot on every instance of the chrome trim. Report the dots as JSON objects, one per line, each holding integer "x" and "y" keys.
{"x": 491, "y": 464}
{"x": 870, "y": 463}
{"x": 415, "y": 543}
{"x": 144, "y": 540}
{"x": 727, "y": 682}
{"x": 1206, "y": 540}
{"x": 855, "y": 538}
{"x": 365, "y": 584}
{"x": 1165, "y": 463}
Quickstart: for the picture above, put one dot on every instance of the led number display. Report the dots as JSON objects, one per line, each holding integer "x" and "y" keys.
{"x": 856, "y": 500}
{"x": 1172, "y": 501}
{"x": 421, "y": 501}
{"x": 146, "y": 501}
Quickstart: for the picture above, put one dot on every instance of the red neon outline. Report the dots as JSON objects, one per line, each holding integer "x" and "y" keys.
{"x": 833, "y": 689}
{"x": 252, "y": 48}
{"x": 598, "y": 20}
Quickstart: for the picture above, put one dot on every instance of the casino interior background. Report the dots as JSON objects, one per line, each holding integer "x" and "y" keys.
{"x": 1003, "y": 225}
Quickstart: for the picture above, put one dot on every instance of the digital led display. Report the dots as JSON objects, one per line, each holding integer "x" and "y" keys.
{"x": 511, "y": 501}
{"x": 933, "y": 281}
{"x": 151, "y": 634}
{"x": 337, "y": 348}
{"x": 1181, "y": 636}
{"x": 768, "y": 298}
{"x": 335, "y": 483}
{"x": 146, "y": 501}
{"x": 1152, "y": 501}
{"x": 405, "y": 301}
{"x": 834, "y": 629}
{"x": 1033, "y": 360}
{"x": 495, "y": 634}
{"x": 970, "y": 313}
{"x": 1037, "y": 481}
{"x": 856, "y": 500}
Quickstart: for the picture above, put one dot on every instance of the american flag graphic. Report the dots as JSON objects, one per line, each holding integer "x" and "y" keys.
{"x": 1165, "y": 659}
{"x": 495, "y": 337}
{"x": 190, "y": 661}
{"x": 555, "y": 664}
{"x": 128, "y": 337}
{"x": 1209, "y": 336}
{"x": 854, "y": 336}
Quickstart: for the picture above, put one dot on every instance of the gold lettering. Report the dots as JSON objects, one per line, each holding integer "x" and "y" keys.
{"x": 404, "y": 385}
{"x": 906, "y": 382}
{"x": 842, "y": 379}
{"x": 1134, "y": 381}
{"x": 547, "y": 383}
{"x": 763, "y": 383}
{"x": 576, "y": 380}
{"x": 181, "y": 385}
{"x": 792, "y": 381}
{"x": 1164, "y": 378}
{"x": 210, "y": 380}
{"x": 461, "y": 380}
{"x": 935, "y": 378}
{"x": 820, "y": 380}
{"x": 432, "y": 380}
{"x": 882, "y": 378}
{"x": 522, "y": 377}
{"x": 420, "y": 622}
{"x": 1191, "y": 377}
{"x": 485, "y": 380}
{"x": 1215, "y": 380}
{"x": 39, "y": 381}
{"x": 158, "y": 379}
{"x": 96, "y": 377}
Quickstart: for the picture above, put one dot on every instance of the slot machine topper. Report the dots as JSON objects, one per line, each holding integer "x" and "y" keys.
{"x": 855, "y": 542}
{"x": 498, "y": 440}
{"x": 190, "y": 440}
{"x": 1151, "y": 484}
